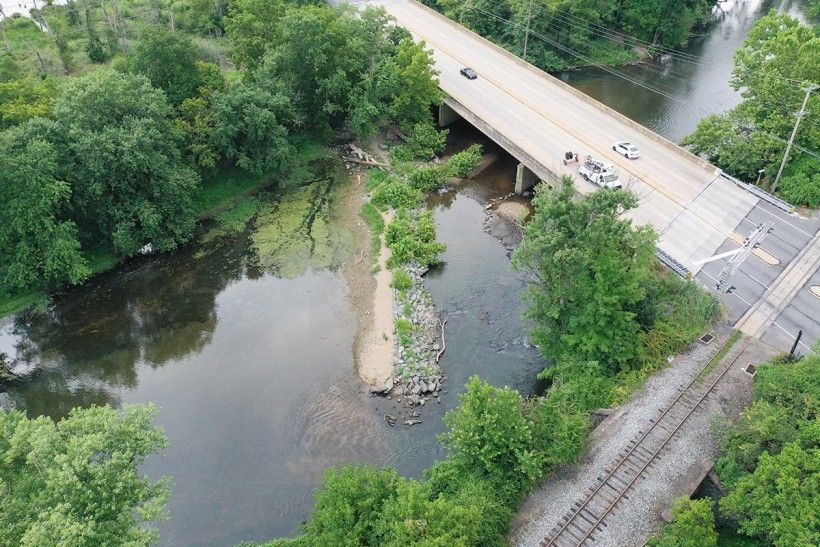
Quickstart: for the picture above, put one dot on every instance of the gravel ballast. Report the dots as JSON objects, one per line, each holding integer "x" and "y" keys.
{"x": 676, "y": 472}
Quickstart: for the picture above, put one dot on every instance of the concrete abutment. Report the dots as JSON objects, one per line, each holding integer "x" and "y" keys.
{"x": 525, "y": 179}
{"x": 446, "y": 115}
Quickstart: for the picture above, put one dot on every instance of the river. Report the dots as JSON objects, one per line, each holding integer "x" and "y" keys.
{"x": 252, "y": 373}
{"x": 670, "y": 97}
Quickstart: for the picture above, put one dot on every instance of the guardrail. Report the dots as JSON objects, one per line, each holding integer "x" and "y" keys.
{"x": 762, "y": 194}
{"x": 673, "y": 264}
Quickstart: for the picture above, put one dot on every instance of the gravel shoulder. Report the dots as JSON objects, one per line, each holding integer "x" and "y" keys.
{"x": 676, "y": 472}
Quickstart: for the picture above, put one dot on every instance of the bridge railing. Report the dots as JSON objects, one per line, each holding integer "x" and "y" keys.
{"x": 579, "y": 94}
{"x": 759, "y": 192}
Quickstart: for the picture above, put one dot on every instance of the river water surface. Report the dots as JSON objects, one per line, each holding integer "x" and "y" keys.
{"x": 252, "y": 374}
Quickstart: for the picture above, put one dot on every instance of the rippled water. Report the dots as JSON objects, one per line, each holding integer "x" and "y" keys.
{"x": 253, "y": 374}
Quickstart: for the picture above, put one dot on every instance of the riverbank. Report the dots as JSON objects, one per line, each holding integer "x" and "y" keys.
{"x": 218, "y": 193}
{"x": 373, "y": 350}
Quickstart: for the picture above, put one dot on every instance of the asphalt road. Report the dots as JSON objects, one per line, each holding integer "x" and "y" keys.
{"x": 697, "y": 213}
{"x": 692, "y": 208}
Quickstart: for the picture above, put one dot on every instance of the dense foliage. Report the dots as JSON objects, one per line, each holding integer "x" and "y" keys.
{"x": 771, "y": 461}
{"x": 772, "y": 70}
{"x": 693, "y": 525}
{"x": 588, "y": 268}
{"x": 577, "y": 32}
{"x": 77, "y": 481}
{"x": 110, "y": 161}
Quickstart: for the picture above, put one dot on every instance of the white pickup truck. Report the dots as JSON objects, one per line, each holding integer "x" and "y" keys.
{"x": 600, "y": 173}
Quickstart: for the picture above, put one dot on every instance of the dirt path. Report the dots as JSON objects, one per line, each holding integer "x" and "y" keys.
{"x": 677, "y": 471}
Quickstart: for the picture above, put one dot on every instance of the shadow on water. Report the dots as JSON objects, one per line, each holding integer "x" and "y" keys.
{"x": 252, "y": 373}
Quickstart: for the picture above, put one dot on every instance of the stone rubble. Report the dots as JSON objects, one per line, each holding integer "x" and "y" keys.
{"x": 417, "y": 378}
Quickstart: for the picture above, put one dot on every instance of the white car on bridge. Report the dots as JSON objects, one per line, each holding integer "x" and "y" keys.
{"x": 627, "y": 150}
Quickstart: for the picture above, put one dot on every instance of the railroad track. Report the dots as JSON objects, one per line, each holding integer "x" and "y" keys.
{"x": 588, "y": 515}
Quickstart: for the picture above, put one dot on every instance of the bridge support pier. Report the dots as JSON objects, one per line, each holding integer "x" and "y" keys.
{"x": 446, "y": 115}
{"x": 524, "y": 179}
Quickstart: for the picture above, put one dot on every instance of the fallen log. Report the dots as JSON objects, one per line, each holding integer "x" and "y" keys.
{"x": 443, "y": 344}
{"x": 374, "y": 163}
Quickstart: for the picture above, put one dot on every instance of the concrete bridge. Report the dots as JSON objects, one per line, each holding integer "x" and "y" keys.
{"x": 697, "y": 211}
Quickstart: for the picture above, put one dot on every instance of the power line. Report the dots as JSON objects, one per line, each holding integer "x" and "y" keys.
{"x": 568, "y": 18}
{"x": 640, "y": 84}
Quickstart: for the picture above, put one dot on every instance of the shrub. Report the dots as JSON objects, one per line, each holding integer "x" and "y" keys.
{"x": 395, "y": 193}
{"x": 428, "y": 178}
{"x": 401, "y": 280}
{"x": 413, "y": 238}
{"x": 461, "y": 164}
{"x": 693, "y": 525}
{"x": 424, "y": 142}
{"x": 801, "y": 189}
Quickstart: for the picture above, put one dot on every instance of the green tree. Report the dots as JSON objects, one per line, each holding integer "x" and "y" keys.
{"x": 473, "y": 516}
{"x": 77, "y": 481}
{"x": 252, "y": 28}
{"x": 169, "y": 61}
{"x": 38, "y": 246}
{"x": 780, "y": 500}
{"x": 119, "y": 152}
{"x": 349, "y": 505}
{"x": 777, "y": 60}
{"x": 417, "y": 84}
{"x": 693, "y": 525}
{"x": 587, "y": 267}
{"x": 490, "y": 437}
{"x": 250, "y": 128}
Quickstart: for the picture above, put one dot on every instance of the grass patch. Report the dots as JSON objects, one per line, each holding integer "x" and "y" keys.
{"x": 18, "y": 302}
{"x": 375, "y": 177}
{"x": 713, "y": 362}
{"x": 401, "y": 280}
{"x": 222, "y": 187}
{"x": 374, "y": 220}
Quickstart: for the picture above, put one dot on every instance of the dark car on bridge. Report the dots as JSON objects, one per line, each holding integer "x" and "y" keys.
{"x": 469, "y": 73}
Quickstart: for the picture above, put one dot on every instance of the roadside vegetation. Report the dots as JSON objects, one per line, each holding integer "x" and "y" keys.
{"x": 576, "y": 33}
{"x": 769, "y": 466}
{"x": 145, "y": 120}
{"x": 772, "y": 71}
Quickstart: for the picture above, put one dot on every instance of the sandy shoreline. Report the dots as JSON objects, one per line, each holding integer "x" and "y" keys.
{"x": 374, "y": 352}
{"x": 371, "y": 296}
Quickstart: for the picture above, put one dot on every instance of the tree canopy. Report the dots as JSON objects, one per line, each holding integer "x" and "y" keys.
{"x": 77, "y": 481}
{"x": 587, "y": 267}
{"x": 169, "y": 61}
{"x": 772, "y": 70}
{"x": 770, "y": 462}
{"x": 121, "y": 157}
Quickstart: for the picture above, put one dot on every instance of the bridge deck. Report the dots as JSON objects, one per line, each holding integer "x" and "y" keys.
{"x": 692, "y": 208}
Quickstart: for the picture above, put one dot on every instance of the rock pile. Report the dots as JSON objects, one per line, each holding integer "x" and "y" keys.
{"x": 417, "y": 376}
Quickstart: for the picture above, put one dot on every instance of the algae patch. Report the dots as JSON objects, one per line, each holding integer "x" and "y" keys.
{"x": 301, "y": 230}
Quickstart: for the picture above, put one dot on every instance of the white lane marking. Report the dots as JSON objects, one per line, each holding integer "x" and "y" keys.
{"x": 733, "y": 292}
{"x": 776, "y": 324}
{"x": 784, "y": 221}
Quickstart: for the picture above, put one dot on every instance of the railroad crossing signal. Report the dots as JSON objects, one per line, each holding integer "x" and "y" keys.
{"x": 740, "y": 255}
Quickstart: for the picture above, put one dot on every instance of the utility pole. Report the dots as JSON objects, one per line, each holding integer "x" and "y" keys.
{"x": 808, "y": 90}
{"x": 527, "y": 31}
